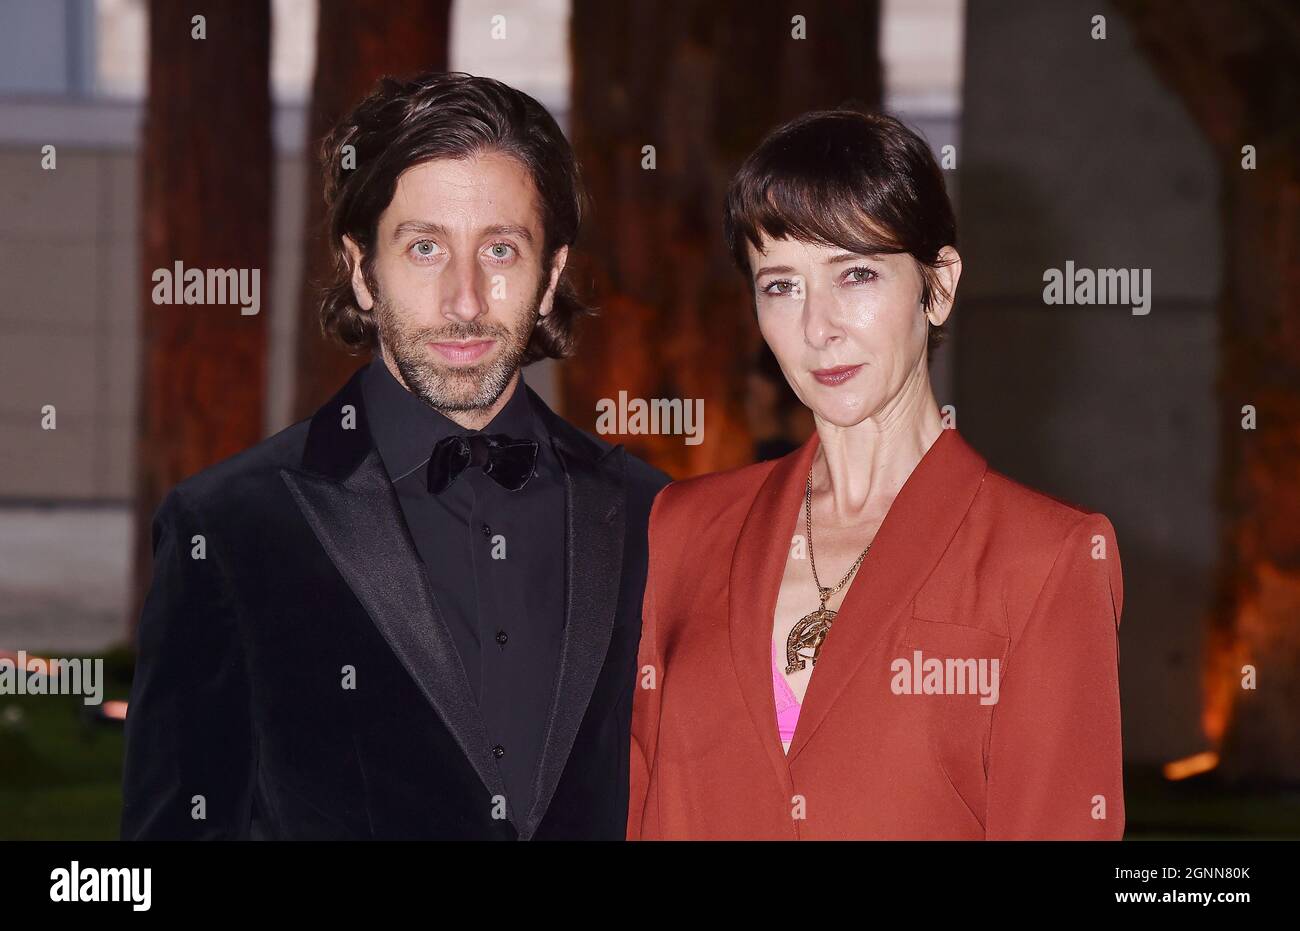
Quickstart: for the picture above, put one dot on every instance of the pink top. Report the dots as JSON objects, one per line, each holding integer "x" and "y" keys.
{"x": 787, "y": 706}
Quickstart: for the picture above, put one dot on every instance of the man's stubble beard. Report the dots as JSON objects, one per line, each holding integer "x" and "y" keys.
{"x": 449, "y": 388}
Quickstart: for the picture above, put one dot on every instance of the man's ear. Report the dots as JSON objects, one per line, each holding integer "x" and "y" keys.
{"x": 557, "y": 269}
{"x": 943, "y": 296}
{"x": 365, "y": 300}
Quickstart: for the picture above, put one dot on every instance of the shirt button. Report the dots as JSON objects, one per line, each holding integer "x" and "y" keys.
{"x": 498, "y": 751}
{"x": 487, "y": 531}
{"x": 501, "y": 637}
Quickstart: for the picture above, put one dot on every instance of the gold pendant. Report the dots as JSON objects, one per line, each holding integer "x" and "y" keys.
{"x": 809, "y": 634}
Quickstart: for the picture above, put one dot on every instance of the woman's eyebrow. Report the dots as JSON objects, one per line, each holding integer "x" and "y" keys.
{"x": 773, "y": 270}
{"x": 846, "y": 257}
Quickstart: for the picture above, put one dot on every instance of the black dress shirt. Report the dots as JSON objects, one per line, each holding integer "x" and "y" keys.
{"x": 495, "y": 563}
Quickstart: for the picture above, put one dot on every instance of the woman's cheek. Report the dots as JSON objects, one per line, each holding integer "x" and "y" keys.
{"x": 784, "y": 336}
{"x": 860, "y": 309}
{"x": 777, "y": 330}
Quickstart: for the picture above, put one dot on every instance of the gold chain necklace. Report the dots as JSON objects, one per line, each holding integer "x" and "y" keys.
{"x": 810, "y": 633}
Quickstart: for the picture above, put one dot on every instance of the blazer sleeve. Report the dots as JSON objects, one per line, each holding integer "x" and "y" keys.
{"x": 188, "y": 768}
{"x": 645, "y": 695}
{"x": 1054, "y": 765}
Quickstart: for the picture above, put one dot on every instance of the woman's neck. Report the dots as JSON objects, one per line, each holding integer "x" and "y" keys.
{"x": 860, "y": 469}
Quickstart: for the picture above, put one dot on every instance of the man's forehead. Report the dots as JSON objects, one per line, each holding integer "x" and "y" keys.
{"x": 490, "y": 184}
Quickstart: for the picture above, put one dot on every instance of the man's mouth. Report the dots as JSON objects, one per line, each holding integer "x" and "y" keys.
{"x": 462, "y": 352}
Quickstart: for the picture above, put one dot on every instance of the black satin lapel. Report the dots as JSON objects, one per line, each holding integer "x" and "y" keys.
{"x": 359, "y": 523}
{"x": 595, "y": 524}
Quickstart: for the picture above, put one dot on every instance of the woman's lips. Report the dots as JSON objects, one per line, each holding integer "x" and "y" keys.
{"x": 463, "y": 353}
{"x": 836, "y": 376}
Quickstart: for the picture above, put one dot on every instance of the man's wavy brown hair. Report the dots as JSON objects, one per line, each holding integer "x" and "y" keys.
{"x": 404, "y": 123}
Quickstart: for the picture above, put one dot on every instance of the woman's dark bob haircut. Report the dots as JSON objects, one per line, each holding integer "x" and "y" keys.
{"x": 861, "y": 181}
{"x": 404, "y": 123}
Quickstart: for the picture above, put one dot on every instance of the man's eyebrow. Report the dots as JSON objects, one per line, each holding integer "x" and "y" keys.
{"x": 418, "y": 226}
{"x": 437, "y": 229}
{"x": 510, "y": 230}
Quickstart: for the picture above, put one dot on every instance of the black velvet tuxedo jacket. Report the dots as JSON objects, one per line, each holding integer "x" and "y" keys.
{"x": 298, "y": 682}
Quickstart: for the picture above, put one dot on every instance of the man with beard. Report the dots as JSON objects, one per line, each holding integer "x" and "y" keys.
{"x": 415, "y": 615}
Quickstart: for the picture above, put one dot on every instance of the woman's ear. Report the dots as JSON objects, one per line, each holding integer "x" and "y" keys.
{"x": 942, "y": 296}
{"x": 557, "y": 269}
{"x": 365, "y": 300}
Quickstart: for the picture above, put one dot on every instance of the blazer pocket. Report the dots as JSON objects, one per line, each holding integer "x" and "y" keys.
{"x": 957, "y": 641}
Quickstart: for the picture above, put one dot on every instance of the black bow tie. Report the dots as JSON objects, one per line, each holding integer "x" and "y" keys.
{"x": 508, "y": 461}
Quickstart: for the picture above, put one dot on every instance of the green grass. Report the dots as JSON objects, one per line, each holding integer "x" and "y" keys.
{"x": 1202, "y": 807}
{"x": 60, "y": 769}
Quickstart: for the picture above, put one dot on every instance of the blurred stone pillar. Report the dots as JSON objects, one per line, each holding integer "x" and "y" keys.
{"x": 1073, "y": 150}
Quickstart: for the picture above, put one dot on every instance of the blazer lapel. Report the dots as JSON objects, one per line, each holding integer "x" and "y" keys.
{"x": 916, "y": 531}
{"x": 757, "y": 565}
{"x": 921, "y": 522}
{"x": 595, "y": 522}
{"x": 346, "y": 497}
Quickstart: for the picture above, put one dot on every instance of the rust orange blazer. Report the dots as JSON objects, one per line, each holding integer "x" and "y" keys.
{"x": 967, "y": 564}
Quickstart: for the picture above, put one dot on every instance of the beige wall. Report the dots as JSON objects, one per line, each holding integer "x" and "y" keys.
{"x": 67, "y": 249}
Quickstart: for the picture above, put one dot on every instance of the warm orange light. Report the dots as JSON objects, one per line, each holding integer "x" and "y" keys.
{"x": 114, "y": 709}
{"x": 1222, "y": 677}
{"x": 1192, "y": 765}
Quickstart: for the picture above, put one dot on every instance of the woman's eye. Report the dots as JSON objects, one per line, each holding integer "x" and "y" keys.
{"x": 780, "y": 286}
{"x": 501, "y": 251}
{"x": 860, "y": 275}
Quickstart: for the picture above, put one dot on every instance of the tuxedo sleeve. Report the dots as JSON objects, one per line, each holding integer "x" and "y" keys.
{"x": 189, "y": 765}
{"x": 1055, "y": 763}
{"x": 645, "y": 696}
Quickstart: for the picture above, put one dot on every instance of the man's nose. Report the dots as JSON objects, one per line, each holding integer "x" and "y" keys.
{"x": 465, "y": 299}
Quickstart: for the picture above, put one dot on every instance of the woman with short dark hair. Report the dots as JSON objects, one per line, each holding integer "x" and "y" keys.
{"x": 875, "y": 636}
